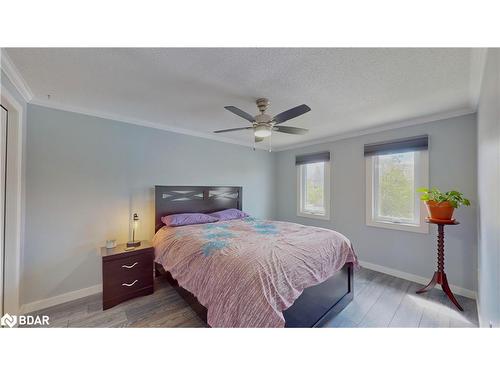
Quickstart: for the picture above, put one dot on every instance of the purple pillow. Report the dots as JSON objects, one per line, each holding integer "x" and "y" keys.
{"x": 229, "y": 214}
{"x": 179, "y": 220}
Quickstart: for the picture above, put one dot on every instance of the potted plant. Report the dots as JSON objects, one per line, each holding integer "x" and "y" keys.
{"x": 440, "y": 205}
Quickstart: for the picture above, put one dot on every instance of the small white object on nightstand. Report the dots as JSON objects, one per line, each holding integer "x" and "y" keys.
{"x": 110, "y": 244}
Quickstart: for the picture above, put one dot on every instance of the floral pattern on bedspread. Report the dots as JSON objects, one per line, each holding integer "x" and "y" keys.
{"x": 247, "y": 271}
{"x": 216, "y": 234}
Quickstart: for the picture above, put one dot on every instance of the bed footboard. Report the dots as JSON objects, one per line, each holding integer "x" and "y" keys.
{"x": 320, "y": 303}
{"x": 315, "y": 306}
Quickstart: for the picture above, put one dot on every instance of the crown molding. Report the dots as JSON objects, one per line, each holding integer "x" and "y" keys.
{"x": 135, "y": 121}
{"x": 194, "y": 133}
{"x": 14, "y": 76}
{"x": 376, "y": 129}
{"x": 477, "y": 62}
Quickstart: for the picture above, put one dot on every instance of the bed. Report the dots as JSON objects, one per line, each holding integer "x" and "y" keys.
{"x": 250, "y": 272}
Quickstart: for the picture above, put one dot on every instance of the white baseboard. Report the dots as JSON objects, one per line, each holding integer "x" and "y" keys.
{"x": 417, "y": 279}
{"x": 482, "y": 323}
{"x": 70, "y": 296}
{"x": 62, "y": 298}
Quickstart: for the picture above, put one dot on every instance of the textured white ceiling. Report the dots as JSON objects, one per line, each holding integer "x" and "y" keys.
{"x": 347, "y": 89}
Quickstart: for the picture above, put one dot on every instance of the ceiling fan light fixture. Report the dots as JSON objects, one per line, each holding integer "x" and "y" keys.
{"x": 262, "y": 131}
{"x": 263, "y": 125}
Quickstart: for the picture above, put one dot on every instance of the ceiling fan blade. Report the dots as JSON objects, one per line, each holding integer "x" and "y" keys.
{"x": 259, "y": 139}
{"x": 291, "y": 113}
{"x": 290, "y": 130}
{"x": 239, "y": 112}
{"x": 233, "y": 129}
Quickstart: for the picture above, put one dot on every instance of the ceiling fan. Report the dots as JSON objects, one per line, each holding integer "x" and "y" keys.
{"x": 263, "y": 125}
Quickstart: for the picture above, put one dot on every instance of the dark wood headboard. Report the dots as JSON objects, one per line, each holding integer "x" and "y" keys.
{"x": 188, "y": 199}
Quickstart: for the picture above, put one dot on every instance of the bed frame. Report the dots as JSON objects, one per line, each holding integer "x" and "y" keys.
{"x": 316, "y": 304}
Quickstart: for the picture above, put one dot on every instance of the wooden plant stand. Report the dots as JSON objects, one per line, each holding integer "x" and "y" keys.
{"x": 440, "y": 276}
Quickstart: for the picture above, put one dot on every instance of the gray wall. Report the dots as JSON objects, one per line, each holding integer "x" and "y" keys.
{"x": 86, "y": 175}
{"x": 452, "y": 156}
{"x": 489, "y": 189}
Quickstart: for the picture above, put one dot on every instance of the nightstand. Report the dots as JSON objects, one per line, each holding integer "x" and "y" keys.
{"x": 126, "y": 273}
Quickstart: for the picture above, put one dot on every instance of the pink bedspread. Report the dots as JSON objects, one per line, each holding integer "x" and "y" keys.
{"x": 246, "y": 272}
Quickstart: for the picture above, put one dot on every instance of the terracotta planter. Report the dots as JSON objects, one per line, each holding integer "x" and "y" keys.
{"x": 440, "y": 211}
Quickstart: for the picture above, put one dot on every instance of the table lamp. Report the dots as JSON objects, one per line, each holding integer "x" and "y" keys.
{"x": 135, "y": 222}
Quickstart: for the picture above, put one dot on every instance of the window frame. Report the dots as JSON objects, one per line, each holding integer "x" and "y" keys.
{"x": 300, "y": 192}
{"x": 422, "y": 179}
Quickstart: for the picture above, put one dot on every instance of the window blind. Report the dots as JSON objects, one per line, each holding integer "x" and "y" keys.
{"x": 312, "y": 158}
{"x": 420, "y": 142}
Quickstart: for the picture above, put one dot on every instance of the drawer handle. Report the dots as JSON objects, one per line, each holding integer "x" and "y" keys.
{"x": 132, "y": 266}
{"x": 131, "y": 284}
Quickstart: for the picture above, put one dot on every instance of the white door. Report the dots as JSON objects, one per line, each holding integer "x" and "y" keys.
{"x": 3, "y": 160}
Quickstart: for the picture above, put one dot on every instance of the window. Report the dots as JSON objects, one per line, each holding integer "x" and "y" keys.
{"x": 313, "y": 177}
{"x": 392, "y": 178}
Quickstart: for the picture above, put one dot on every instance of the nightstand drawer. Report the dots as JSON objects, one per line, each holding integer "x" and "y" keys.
{"x": 126, "y": 285}
{"x": 125, "y": 268}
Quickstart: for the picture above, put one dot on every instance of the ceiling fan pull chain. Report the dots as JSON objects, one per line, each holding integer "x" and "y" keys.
{"x": 271, "y": 142}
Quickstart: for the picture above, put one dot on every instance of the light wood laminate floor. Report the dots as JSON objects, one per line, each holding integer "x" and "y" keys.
{"x": 380, "y": 300}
